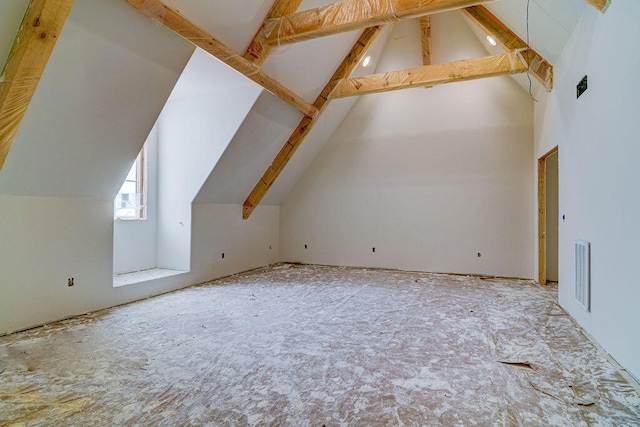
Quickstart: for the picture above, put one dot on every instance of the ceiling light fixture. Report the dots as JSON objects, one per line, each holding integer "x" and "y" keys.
{"x": 366, "y": 60}
{"x": 491, "y": 41}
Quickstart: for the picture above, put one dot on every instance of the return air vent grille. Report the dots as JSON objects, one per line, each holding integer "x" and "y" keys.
{"x": 583, "y": 273}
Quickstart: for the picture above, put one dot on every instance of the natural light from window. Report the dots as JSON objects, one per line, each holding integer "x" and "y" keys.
{"x": 130, "y": 202}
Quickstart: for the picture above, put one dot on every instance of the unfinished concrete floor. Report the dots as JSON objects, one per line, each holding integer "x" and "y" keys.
{"x": 309, "y": 345}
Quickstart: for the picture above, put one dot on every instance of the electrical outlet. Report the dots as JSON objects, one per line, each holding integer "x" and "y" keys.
{"x": 70, "y": 282}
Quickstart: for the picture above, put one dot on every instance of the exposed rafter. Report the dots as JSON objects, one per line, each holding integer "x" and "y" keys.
{"x": 509, "y": 41}
{"x": 306, "y": 124}
{"x": 29, "y": 55}
{"x": 431, "y": 75}
{"x": 258, "y": 49}
{"x": 601, "y": 5}
{"x": 425, "y": 37}
{"x": 350, "y": 15}
{"x": 173, "y": 20}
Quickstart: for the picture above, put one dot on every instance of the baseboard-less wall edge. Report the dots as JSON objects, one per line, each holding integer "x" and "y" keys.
{"x": 73, "y": 316}
{"x": 631, "y": 379}
{"x": 481, "y": 276}
{"x": 251, "y": 270}
{"x": 635, "y": 382}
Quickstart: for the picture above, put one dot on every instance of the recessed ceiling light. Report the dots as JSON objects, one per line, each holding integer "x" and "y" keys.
{"x": 491, "y": 41}
{"x": 366, "y": 60}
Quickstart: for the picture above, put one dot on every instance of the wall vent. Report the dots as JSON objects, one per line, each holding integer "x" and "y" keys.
{"x": 583, "y": 273}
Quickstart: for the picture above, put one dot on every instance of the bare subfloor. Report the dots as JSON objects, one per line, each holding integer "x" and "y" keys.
{"x": 308, "y": 345}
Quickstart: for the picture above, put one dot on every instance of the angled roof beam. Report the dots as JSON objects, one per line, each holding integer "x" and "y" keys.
{"x": 29, "y": 55}
{"x": 306, "y": 124}
{"x": 350, "y": 15}
{"x": 258, "y": 49}
{"x": 509, "y": 41}
{"x": 431, "y": 75}
{"x": 173, "y": 20}
{"x": 601, "y": 5}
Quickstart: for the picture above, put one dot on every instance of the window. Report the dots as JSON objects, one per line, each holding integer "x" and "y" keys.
{"x": 131, "y": 199}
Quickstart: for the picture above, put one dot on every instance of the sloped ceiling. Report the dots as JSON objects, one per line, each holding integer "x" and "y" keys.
{"x": 138, "y": 59}
{"x": 551, "y": 22}
{"x": 304, "y": 67}
{"x": 104, "y": 86}
{"x": 234, "y": 23}
{"x": 263, "y": 133}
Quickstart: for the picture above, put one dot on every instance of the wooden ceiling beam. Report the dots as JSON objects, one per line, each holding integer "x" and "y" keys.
{"x": 601, "y": 5}
{"x": 38, "y": 34}
{"x": 431, "y": 75}
{"x": 509, "y": 41}
{"x": 173, "y": 20}
{"x": 425, "y": 37}
{"x": 348, "y": 15}
{"x": 343, "y": 71}
{"x": 259, "y": 49}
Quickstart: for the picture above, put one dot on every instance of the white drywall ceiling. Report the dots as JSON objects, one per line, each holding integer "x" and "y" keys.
{"x": 550, "y": 26}
{"x": 264, "y": 132}
{"x": 522, "y": 79}
{"x": 331, "y": 118}
{"x": 232, "y": 22}
{"x": 551, "y": 22}
{"x": 206, "y": 75}
{"x": 106, "y": 82}
{"x": 305, "y": 67}
{"x": 261, "y": 135}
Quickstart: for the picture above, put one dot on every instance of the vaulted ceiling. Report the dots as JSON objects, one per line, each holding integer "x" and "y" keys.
{"x": 296, "y": 56}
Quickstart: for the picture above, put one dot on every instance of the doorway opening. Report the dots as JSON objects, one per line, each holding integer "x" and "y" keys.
{"x": 548, "y": 214}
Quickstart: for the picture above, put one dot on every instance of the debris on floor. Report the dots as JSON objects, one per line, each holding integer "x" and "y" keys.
{"x": 312, "y": 345}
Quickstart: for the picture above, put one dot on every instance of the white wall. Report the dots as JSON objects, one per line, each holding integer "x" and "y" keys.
{"x": 599, "y": 173}
{"x": 97, "y": 101}
{"x": 199, "y": 120}
{"x": 429, "y": 177}
{"x": 246, "y": 244}
{"x": 194, "y": 131}
{"x": 45, "y": 241}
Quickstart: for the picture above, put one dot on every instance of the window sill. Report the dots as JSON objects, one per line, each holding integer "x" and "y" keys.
{"x": 125, "y": 279}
